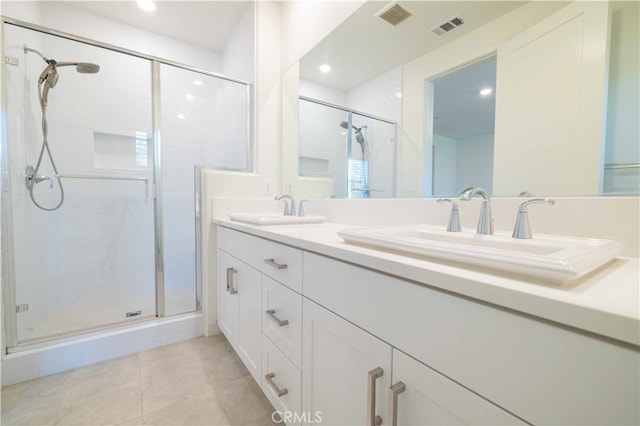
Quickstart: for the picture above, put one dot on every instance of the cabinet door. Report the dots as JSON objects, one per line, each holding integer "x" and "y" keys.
{"x": 239, "y": 309}
{"x": 227, "y": 302}
{"x": 337, "y": 358}
{"x": 430, "y": 398}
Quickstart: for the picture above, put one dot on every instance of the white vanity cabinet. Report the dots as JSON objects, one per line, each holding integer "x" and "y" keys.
{"x": 334, "y": 341}
{"x": 240, "y": 297}
{"x": 345, "y": 370}
{"x": 422, "y": 396}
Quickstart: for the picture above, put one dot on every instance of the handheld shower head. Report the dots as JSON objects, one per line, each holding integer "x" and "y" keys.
{"x": 49, "y": 74}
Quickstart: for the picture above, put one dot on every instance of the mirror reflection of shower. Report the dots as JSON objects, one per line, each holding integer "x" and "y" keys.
{"x": 47, "y": 81}
{"x": 360, "y": 169}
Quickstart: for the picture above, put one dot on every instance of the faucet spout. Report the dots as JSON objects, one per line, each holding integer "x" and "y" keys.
{"x": 287, "y": 211}
{"x": 485, "y": 222}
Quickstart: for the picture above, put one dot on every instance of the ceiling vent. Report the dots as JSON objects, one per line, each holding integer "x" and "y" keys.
{"x": 449, "y": 25}
{"x": 393, "y": 14}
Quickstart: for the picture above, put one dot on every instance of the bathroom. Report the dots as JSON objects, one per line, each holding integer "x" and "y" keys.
{"x": 261, "y": 82}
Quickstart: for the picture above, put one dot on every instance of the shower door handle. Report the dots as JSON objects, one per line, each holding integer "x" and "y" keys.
{"x": 230, "y": 285}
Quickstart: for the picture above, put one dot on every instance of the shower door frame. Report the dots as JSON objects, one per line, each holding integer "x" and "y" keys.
{"x": 9, "y": 329}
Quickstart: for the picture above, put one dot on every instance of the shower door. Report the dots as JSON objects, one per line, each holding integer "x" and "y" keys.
{"x": 204, "y": 123}
{"x": 91, "y": 262}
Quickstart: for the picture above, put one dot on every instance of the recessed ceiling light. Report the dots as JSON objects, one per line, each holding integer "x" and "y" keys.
{"x": 198, "y": 82}
{"x": 325, "y": 68}
{"x": 486, "y": 91}
{"x": 146, "y": 5}
{"x": 190, "y": 97}
{"x": 180, "y": 116}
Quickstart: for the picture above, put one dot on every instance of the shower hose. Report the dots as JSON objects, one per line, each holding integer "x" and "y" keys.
{"x": 43, "y": 148}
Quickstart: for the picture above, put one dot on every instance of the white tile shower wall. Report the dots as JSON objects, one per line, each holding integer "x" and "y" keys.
{"x": 30, "y": 364}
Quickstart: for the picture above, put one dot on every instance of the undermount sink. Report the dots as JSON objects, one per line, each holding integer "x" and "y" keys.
{"x": 556, "y": 259}
{"x": 274, "y": 218}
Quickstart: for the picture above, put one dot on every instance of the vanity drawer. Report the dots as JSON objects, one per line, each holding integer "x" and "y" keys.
{"x": 280, "y": 375}
{"x": 283, "y": 264}
{"x": 282, "y": 318}
{"x": 240, "y": 245}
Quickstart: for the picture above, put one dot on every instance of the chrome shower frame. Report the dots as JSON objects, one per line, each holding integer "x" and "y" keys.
{"x": 9, "y": 330}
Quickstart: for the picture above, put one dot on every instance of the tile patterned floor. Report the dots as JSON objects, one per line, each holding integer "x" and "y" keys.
{"x": 197, "y": 382}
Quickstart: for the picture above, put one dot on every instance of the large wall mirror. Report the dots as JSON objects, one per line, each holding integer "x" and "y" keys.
{"x": 516, "y": 97}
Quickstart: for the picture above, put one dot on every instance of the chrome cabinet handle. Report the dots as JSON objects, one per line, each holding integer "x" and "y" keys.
{"x": 372, "y": 418}
{"x": 273, "y": 264}
{"x": 230, "y": 288}
{"x": 271, "y": 314}
{"x": 396, "y": 390}
{"x": 280, "y": 392}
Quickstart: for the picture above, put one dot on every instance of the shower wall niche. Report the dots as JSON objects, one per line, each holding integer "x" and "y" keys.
{"x": 127, "y": 143}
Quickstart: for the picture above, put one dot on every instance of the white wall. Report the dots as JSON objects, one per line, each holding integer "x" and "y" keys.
{"x": 305, "y": 23}
{"x": 59, "y": 17}
{"x": 238, "y": 57}
{"x": 379, "y": 96}
{"x": 465, "y": 49}
{"x": 623, "y": 108}
{"x": 475, "y": 163}
{"x": 444, "y": 165}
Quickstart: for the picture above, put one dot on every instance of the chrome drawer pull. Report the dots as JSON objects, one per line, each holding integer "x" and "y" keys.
{"x": 273, "y": 264}
{"x": 230, "y": 288}
{"x": 280, "y": 392}
{"x": 396, "y": 390}
{"x": 372, "y": 419}
{"x": 271, "y": 314}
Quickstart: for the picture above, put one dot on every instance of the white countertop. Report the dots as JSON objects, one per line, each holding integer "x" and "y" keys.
{"x": 605, "y": 302}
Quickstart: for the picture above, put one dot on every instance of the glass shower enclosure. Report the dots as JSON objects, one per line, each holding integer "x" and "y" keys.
{"x": 127, "y": 143}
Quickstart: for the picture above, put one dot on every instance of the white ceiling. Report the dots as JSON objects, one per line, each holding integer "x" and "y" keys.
{"x": 364, "y": 46}
{"x": 206, "y": 24}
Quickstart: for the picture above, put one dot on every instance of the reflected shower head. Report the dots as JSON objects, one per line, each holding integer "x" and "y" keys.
{"x": 345, "y": 125}
{"x": 359, "y": 136}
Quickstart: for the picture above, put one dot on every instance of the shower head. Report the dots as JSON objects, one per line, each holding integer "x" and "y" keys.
{"x": 49, "y": 76}
{"x": 81, "y": 67}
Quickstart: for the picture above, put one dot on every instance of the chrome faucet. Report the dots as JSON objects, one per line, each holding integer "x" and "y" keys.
{"x": 522, "y": 228}
{"x": 454, "y": 217}
{"x": 287, "y": 211}
{"x": 485, "y": 222}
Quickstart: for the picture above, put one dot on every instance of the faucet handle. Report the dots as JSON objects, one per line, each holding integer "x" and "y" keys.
{"x": 454, "y": 217}
{"x": 301, "y": 208}
{"x": 523, "y": 229}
